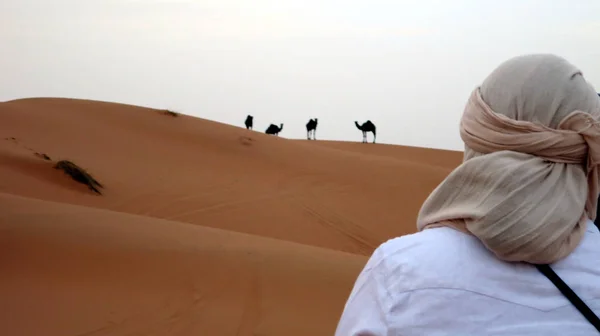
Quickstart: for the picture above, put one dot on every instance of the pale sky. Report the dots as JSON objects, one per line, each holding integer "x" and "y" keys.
{"x": 408, "y": 66}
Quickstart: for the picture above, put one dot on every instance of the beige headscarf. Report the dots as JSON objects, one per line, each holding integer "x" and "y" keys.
{"x": 530, "y": 177}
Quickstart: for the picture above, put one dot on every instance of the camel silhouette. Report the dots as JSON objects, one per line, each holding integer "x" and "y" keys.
{"x": 311, "y": 126}
{"x": 249, "y": 122}
{"x": 368, "y": 126}
{"x": 273, "y": 129}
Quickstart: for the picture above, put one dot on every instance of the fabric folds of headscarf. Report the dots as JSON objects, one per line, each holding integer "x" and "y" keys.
{"x": 528, "y": 194}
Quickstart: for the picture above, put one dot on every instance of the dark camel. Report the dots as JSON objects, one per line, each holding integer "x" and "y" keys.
{"x": 273, "y": 129}
{"x": 249, "y": 122}
{"x": 368, "y": 126}
{"x": 311, "y": 126}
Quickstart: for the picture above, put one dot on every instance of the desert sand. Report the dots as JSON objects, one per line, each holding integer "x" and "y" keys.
{"x": 202, "y": 228}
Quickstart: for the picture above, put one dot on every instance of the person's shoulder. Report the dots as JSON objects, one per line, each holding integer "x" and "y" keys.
{"x": 431, "y": 258}
{"x": 430, "y": 244}
{"x": 450, "y": 259}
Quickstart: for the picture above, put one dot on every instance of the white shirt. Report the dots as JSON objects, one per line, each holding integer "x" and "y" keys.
{"x": 444, "y": 282}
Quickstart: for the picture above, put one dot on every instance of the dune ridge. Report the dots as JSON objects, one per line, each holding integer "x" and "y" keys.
{"x": 201, "y": 228}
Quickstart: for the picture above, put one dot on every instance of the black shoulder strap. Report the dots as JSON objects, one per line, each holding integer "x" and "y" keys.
{"x": 569, "y": 294}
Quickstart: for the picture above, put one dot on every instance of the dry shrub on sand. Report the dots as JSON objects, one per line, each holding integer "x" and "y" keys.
{"x": 170, "y": 113}
{"x": 79, "y": 174}
{"x": 43, "y": 156}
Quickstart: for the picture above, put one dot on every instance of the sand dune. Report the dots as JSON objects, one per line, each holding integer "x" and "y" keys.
{"x": 81, "y": 271}
{"x": 423, "y": 156}
{"x": 202, "y": 228}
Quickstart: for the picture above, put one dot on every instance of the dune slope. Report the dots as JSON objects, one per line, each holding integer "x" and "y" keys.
{"x": 409, "y": 155}
{"x": 201, "y": 228}
{"x": 72, "y": 270}
{"x": 206, "y": 173}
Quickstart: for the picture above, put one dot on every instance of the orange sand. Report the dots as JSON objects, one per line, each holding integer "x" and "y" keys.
{"x": 202, "y": 228}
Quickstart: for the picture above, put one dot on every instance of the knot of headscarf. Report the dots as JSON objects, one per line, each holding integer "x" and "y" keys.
{"x": 523, "y": 199}
{"x": 576, "y": 141}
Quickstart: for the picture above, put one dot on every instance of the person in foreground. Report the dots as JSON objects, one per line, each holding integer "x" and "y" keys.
{"x": 526, "y": 194}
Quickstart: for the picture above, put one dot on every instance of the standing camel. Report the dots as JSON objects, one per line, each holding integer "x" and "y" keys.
{"x": 249, "y": 122}
{"x": 273, "y": 129}
{"x": 368, "y": 126}
{"x": 311, "y": 126}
